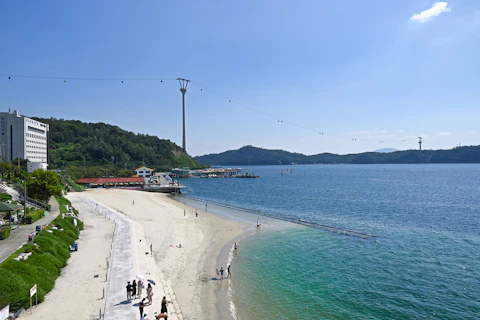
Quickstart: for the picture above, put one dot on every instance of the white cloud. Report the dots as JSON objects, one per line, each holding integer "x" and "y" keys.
{"x": 444, "y": 134}
{"x": 436, "y": 9}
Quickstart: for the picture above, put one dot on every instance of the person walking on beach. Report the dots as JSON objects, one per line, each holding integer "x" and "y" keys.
{"x": 196, "y": 212}
{"x": 206, "y": 207}
{"x": 235, "y": 246}
{"x": 133, "y": 202}
{"x": 164, "y": 305}
{"x": 134, "y": 289}
{"x": 141, "y": 305}
{"x": 221, "y": 272}
{"x": 149, "y": 294}
{"x": 228, "y": 270}
{"x": 151, "y": 252}
{"x": 184, "y": 212}
{"x": 140, "y": 287}
{"x": 129, "y": 291}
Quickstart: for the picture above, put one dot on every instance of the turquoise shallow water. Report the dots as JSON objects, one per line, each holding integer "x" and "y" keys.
{"x": 423, "y": 262}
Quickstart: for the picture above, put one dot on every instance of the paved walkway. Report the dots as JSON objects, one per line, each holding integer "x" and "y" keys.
{"x": 129, "y": 258}
{"x": 19, "y": 236}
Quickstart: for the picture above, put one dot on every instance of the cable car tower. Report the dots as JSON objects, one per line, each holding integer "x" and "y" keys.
{"x": 420, "y": 140}
{"x": 183, "y": 89}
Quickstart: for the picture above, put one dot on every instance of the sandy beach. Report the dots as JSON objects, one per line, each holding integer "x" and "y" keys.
{"x": 78, "y": 291}
{"x": 188, "y": 273}
{"x": 190, "y": 269}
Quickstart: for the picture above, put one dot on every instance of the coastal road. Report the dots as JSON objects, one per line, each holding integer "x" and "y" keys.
{"x": 19, "y": 236}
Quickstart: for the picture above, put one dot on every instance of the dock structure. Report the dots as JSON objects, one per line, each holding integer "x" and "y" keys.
{"x": 215, "y": 173}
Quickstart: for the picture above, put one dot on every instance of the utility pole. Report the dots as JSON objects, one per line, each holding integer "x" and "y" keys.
{"x": 183, "y": 89}
{"x": 420, "y": 140}
{"x": 24, "y": 200}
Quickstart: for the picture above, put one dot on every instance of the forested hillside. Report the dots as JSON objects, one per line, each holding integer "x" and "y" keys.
{"x": 73, "y": 143}
{"x": 258, "y": 156}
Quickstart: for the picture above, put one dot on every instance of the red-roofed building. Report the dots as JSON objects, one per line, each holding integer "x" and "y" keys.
{"x": 87, "y": 180}
{"x": 111, "y": 182}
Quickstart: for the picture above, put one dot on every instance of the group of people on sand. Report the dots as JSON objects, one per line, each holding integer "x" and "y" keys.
{"x": 134, "y": 291}
{"x": 163, "y": 311}
{"x": 221, "y": 271}
{"x": 196, "y": 211}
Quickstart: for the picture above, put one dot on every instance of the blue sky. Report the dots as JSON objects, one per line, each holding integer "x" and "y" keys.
{"x": 367, "y": 70}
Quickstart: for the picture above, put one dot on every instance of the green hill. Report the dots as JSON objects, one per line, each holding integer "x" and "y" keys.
{"x": 250, "y": 155}
{"x": 75, "y": 144}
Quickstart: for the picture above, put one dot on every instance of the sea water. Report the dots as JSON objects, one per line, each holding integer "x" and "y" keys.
{"x": 421, "y": 262}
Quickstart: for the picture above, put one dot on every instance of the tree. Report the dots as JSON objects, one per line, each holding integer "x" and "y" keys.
{"x": 44, "y": 184}
{"x": 5, "y": 169}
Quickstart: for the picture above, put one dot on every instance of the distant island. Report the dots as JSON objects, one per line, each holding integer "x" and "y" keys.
{"x": 250, "y": 155}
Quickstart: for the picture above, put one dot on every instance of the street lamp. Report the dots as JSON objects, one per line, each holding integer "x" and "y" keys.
{"x": 24, "y": 200}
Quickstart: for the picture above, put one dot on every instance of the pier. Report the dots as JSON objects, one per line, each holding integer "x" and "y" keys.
{"x": 206, "y": 173}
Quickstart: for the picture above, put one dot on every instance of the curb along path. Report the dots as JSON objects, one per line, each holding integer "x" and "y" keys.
{"x": 128, "y": 259}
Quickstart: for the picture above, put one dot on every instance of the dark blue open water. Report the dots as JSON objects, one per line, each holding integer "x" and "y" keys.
{"x": 424, "y": 262}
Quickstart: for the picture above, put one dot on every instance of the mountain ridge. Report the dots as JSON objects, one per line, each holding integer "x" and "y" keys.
{"x": 76, "y": 143}
{"x": 250, "y": 155}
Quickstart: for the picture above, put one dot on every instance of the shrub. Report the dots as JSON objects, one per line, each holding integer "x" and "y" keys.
{"x": 75, "y": 185}
{"x": 14, "y": 290}
{"x": 31, "y": 275}
{"x": 63, "y": 202}
{"x": 71, "y": 223}
{"x": 53, "y": 244}
{"x": 46, "y": 261}
{"x": 43, "y": 266}
{"x": 4, "y": 232}
{"x": 5, "y": 196}
{"x": 34, "y": 215}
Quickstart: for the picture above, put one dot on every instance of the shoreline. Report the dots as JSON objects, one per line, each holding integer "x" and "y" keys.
{"x": 191, "y": 268}
{"x": 226, "y": 307}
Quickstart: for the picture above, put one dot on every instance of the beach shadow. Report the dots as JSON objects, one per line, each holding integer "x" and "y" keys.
{"x": 216, "y": 279}
{"x": 123, "y": 303}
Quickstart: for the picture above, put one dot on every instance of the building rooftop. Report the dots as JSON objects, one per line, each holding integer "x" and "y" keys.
{"x": 109, "y": 180}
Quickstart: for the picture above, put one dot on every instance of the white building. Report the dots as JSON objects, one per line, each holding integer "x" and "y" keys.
{"x": 32, "y": 166}
{"x": 22, "y": 137}
{"x": 144, "y": 172}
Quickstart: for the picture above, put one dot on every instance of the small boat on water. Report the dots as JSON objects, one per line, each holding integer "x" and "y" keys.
{"x": 247, "y": 175}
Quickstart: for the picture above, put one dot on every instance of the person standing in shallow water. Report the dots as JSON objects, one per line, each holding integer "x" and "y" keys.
{"x": 205, "y": 207}
{"x": 164, "y": 305}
